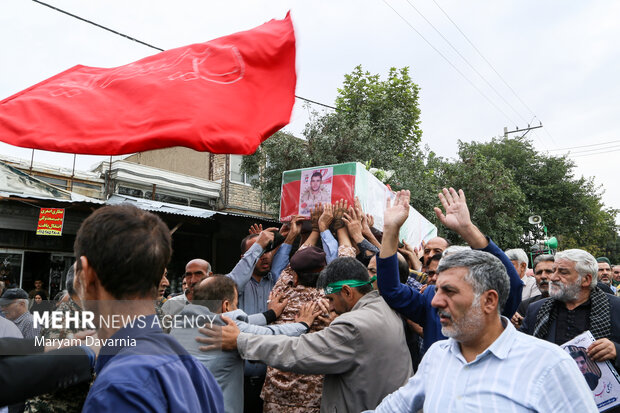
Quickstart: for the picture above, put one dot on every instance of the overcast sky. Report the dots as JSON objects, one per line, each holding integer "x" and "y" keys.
{"x": 560, "y": 58}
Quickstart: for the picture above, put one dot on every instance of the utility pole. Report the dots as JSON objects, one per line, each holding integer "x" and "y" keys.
{"x": 529, "y": 128}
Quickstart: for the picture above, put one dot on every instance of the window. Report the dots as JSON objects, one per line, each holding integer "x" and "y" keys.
{"x": 62, "y": 183}
{"x": 235, "y": 171}
{"x": 124, "y": 190}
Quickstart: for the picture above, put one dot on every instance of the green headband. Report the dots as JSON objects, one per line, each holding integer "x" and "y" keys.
{"x": 337, "y": 286}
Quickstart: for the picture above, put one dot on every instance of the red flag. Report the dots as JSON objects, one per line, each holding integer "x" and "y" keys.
{"x": 223, "y": 96}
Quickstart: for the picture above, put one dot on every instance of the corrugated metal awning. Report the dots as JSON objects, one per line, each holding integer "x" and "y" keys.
{"x": 163, "y": 207}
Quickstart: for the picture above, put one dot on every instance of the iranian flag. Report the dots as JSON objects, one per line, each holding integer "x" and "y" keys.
{"x": 303, "y": 188}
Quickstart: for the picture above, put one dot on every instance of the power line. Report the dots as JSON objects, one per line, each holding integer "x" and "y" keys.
{"x": 451, "y": 64}
{"x": 466, "y": 61}
{"x": 604, "y": 152}
{"x": 484, "y": 58}
{"x": 586, "y": 146}
{"x": 592, "y": 150}
{"x": 142, "y": 42}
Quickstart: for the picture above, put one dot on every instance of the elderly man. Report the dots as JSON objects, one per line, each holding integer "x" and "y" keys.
{"x": 121, "y": 254}
{"x": 14, "y": 305}
{"x": 408, "y": 301}
{"x": 576, "y": 304}
{"x": 518, "y": 257}
{"x": 433, "y": 247}
{"x": 485, "y": 361}
{"x": 362, "y": 352}
{"x": 195, "y": 271}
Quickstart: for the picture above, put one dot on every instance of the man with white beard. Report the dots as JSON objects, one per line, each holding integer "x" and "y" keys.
{"x": 576, "y": 304}
{"x": 485, "y": 362}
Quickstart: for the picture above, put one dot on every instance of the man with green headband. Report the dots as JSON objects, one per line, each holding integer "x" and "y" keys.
{"x": 362, "y": 352}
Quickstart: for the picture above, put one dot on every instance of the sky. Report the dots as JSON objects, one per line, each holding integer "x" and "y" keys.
{"x": 507, "y": 63}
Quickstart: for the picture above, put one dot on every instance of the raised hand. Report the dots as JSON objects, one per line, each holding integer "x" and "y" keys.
{"x": 396, "y": 212}
{"x": 340, "y": 207}
{"x": 353, "y": 221}
{"x": 294, "y": 228}
{"x": 326, "y": 217}
{"x": 315, "y": 214}
{"x": 456, "y": 216}
{"x": 255, "y": 228}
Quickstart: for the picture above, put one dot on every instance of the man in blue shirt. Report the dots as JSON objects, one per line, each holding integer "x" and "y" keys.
{"x": 416, "y": 306}
{"x": 121, "y": 254}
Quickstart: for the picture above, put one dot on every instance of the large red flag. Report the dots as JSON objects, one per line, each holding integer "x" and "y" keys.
{"x": 223, "y": 96}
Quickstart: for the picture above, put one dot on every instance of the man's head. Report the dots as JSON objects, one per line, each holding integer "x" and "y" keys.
{"x": 435, "y": 246}
{"x": 163, "y": 284}
{"x": 574, "y": 275}
{"x": 616, "y": 273}
{"x": 307, "y": 264}
{"x": 315, "y": 181}
{"x": 580, "y": 358}
{"x": 543, "y": 268}
{"x": 403, "y": 269}
{"x": 472, "y": 288}
{"x": 217, "y": 293}
{"x": 518, "y": 257}
{"x": 431, "y": 268}
{"x": 345, "y": 280}
{"x": 604, "y": 270}
{"x": 195, "y": 271}
{"x": 121, "y": 252}
{"x": 38, "y": 284}
{"x": 263, "y": 265}
{"x": 14, "y": 303}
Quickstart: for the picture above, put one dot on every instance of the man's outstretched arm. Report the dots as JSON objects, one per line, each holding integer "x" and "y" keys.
{"x": 457, "y": 218}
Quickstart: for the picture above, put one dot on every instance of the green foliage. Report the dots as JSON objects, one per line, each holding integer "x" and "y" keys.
{"x": 377, "y": 122}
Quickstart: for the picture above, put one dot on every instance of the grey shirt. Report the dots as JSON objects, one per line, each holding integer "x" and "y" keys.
{"x": 362, "y": 353}
{"x": 226, "y": 366}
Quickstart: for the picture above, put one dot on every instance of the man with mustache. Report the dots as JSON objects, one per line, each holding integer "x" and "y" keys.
{"x": 481, "y": 365}
{"x": 604, "y": 273}
{"x": 543, "y": 268}
{"x": 576, "y": 304}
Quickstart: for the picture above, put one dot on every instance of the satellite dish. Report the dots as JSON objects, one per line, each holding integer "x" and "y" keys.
{"x": 534, "y": 219}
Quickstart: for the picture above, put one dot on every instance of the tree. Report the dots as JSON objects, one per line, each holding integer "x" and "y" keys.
{"x": 376, "y": 121}
{"x": 570, "y": 207}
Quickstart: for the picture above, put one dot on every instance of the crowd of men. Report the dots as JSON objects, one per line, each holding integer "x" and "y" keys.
{"x": 320, "y": 315}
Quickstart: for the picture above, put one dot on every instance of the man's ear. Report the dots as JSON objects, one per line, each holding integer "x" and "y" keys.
{"x": 347, "y": 291}
{"x": 225, "y": 306}
{"x": 489, "y": 301}
{"x": 586, "y": 281}
{"x": 86, "y": 278}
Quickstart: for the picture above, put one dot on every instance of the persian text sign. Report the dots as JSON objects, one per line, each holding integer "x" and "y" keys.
{"x": 50, "y": 221}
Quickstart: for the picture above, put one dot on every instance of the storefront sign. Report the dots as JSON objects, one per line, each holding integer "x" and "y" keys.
{"x": 50, "y": 221}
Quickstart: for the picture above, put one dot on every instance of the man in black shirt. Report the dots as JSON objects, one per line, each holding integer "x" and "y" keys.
{"x": 576, "y": 304}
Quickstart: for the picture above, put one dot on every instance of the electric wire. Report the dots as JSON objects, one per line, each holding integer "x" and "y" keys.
{"x": 144, "y": 43}
{"x": 450, "y": 63}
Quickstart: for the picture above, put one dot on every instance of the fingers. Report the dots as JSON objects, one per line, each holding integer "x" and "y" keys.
{"x": 440, "y": 216}
{"x": 601, "y": 350}
{"x": 228, "y": 321}
{"x": 444, "y": 201}
{"x": 462, "y": 196}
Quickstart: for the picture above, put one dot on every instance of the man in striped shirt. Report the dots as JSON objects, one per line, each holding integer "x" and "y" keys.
{"x": 485, "y": 365}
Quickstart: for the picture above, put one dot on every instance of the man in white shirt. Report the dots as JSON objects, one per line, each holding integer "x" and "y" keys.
{"x": 485, "y": 365}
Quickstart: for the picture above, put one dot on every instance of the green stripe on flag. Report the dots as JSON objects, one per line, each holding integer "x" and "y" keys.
{"x": 339, "y": 169}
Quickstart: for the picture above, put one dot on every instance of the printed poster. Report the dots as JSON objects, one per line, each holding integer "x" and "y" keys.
{"x": 602, "y": 377}
{"x": 316, "y": 186}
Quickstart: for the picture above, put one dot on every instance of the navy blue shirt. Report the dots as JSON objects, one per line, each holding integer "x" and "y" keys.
{"x": 417, "y": 307}
{"x": 154, "y": 373}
